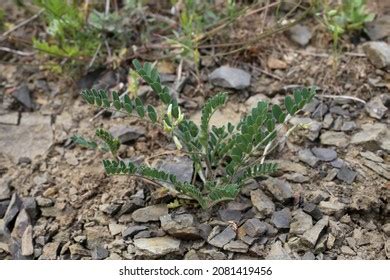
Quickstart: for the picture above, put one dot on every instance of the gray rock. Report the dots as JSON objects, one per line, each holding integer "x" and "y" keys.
{"x": 21, "y": 223}
{"x": 5, "y": 190}
{"x": 332, "y": 207}
{"x": 379, "y": 28}
{"x": 320, "y": 111}
{"x": 230, "y": 215}
{"x": 229, "y": 77}
{"x": 312, "y": 210}
{"x": 307, "y": 157}
{"x": 371, "y": 156}
{"x": 262, "y": 202}
{"x": 132, "y": 230}
{"x": 324, "y": 154}
{"x": 10, "y": 118}
{"x": 131, "y": 205}
{"x": 181, "y": 226}
{"x": 386, "y": 229}
{"x": 300, "y": 34}
{"x": 237, "y": 246}
{"x": 378, "y": 53}
{"x": 348, "y": 126}
{"x": 3, "y": 207}
{"x": 333, "y": 138}
{"x": 50, "y": 251}
{"x": 181, "y": 167}
{"x": 310, "y": 237}
{"x": 22, "y": 95}
{"x": 346, "y": 174}
{"x": 12, "y": 210}
{"x": 126, "y": 134}
{"x": 211, "y": 254}
{"x": 280, "y": 189}
{"x": 337, "y": 163}
{"x": 301, "y": 222}
{"x": 157, "y": 246}
{"x": 277, "y": 252}
{"x": 371, "y": 136}
{"x": 375, "y": 108}
{"x": 77, "y": 251}
{"x": 223, "y": 238}
{"x": 253, "y": 227}
{"x": 379, "y": 168}
{"x": 27, "y": 242}
{"x": 32, "y": 137}
{"x": 309, "y": 256}
{"x": 314, "y": 126}
{"x": 296, "y": 178}
{"x": 110, "y": 209}
{"x": 347, "y": 251}
{"x": 99, "y": 253}
{"x": 30, "y": 205}
{"x": 150, "y": 213}
{"x": 281, "y": 219}
{"x": 115, "y": 228}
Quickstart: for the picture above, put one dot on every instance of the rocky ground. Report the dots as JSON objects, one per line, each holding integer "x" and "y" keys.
{"x": 329, "y": 200}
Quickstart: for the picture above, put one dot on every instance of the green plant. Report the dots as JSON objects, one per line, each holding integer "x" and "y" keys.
{"x": 70, "y": 36}
{"x": 225, "y": 157}
{"x": 350, "y": 16}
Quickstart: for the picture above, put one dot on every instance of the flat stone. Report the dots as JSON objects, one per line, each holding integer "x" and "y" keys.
{"x": 312, "y": 210}
{"x": 375, "y": 108}
{"x": 309, "y": 256}
{"x": 115, "y": 228}
{"x": 12, "y": 210}
{"x": 333, "y": 138}
{"x": 371, "y": 156}
{"x": 346, "y": 174}
{"x": 313, "y": 126}
{"x": 30, "y": 205}
{"x": 181, "y": 226}
{"x": 281, "y": 219}
{"x": 132, "y": 230}
{"x": 253, "y": 227}
{"x": 27, "y": 242}
{"x": 332, "y": 207}
{"x": 307, "y": 157}
{"x": 181, "y": 167}
{"x": 280, "y": 189}
{"x": 157, "y": 246}
{"x": 77, "y": 251}
{"x": 99, "y": 253}
{"x": 301, "y": 222}
{"x": 311, "y": 236}
{"x": 277, "y": 252}
{"x": 262, "y": 202}
{"x": 378, "y": 53}
{"x": 110, "y": 209}
{"x": 50, "y": 251}
{"x": 150, "y": 213}
{"x": 127, "y": 134}
{"x": 379, "y": 28}
{"x": 3, "y": 207}
{"x": 227, "y": 215}
{"x": 32, "y": 137}
{"x": 10, "y": 118}
{"x": 5, "y": 190}
{"x": 300, "y": 34}
{"x": 275, "y": 63}
{"x": 348, "y": 126}
{"x": 237, "y": 246}
{"x": 223, "y": 238}
{"x": 229, "y": 77}
{"x": 371, "y": 136}
{"x": 347, "y": 251}
{"x": 379, "y": 168}
{"x": 21, "y": 223}
{"x": 22, "y": 95}
{"x": 324, "y": 154}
